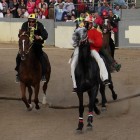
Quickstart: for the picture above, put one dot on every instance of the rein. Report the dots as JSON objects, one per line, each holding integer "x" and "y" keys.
{"x": 84, "y": 40}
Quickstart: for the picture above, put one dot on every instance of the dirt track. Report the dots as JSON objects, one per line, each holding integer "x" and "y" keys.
{"x": 120, "y": 122}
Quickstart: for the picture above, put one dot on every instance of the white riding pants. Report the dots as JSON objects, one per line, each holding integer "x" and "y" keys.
{"x": 101, "y": 64}
{"x": 99, "y": 60}
{"x": 73, "y": 65}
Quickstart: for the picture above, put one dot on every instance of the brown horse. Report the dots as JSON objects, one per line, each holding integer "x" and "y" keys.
{"x": 30, "y": 71}
{"x": 108, "y": 43}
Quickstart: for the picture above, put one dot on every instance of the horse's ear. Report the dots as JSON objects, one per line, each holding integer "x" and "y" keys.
{"x": 20, "y": 32}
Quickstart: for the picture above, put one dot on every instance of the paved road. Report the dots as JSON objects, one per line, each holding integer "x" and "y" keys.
{"x": 119, "y": 122}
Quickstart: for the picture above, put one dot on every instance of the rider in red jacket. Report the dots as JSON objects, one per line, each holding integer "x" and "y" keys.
{"x": 96, "y": 41}
{"x": 95, "y": 36}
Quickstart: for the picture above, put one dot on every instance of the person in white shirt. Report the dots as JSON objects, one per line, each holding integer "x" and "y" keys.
{"x": 1, "y": 7}
{"x": 1, "y": 14}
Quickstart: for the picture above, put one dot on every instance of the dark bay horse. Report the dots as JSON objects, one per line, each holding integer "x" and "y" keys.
{"x": 30, "y": 71}
{"x": 87, "y": 79}
{"x": 108, "y": 43}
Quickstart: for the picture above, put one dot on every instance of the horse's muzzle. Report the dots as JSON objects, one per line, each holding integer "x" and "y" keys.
{"x": 23, "y": 57}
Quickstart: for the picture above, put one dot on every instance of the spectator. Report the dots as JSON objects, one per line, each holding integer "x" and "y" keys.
{"x": 69, "y": 6}
{"x": 30, "y": 6}
{"x": 51, "y": 11}
{"x": 40, "y": 5}
{"x": 5, "y": 6}
{"x": 52, "y": 2}
{"x": 35, "y": 12}
{"x": 65, "y": 18}
{"x": 37, "y": 3}
{"x": 8, "y": 14}
{"x": 44, "y": 10}
{"x": 121, "y": 3}
{"x": 20, "y": 14}
{"x": 71, "y": 18}
{"x": 81, "y": 7}
{"x": 114, "y": 26}
{"x": 96, "y": 5}
{"x": 1, "y": 14}
{"x": 1, "y": 7}
{"x": 131, "y": 4}
{"x": 98, "y": 19}
{"x": 25, "y": 12}
{"x": 117, "y": 11}
{"x": 105, "y": 6}
{"x": 22, "y": 4}
{"x": 60, "y": 12}
{"x": 40, "y": 15}
{"x": 13, "y": 8}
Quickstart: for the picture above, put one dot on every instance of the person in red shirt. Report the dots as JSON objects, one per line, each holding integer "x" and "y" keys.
{"x": 96, "y": 41}
{"x": 98, "y": 19}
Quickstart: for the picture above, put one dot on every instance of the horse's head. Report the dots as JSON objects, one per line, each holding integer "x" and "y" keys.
{"x": 106, "y": 26}
{"x": 24, "y": 44}
{"x": 81, "y": 34}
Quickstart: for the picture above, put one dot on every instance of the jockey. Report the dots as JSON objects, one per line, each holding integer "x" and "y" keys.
{"x": 38, "y": 35}
{"x": 106, "y": 16}
{"x": 95, "y": 40}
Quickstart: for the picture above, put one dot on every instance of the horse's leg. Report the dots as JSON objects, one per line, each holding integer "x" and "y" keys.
{"x": 44, "y": 101}
{"x": 30, "y": 94}
{"x": 112, "y": 46}
{"x": 24, "y": 99}
{"x": 104, "y": 100}
{"x": 81, "y": 110}
{"x": 36, "y": 101}
{"x": 114, "y": 95}
{"x": 45, "y": 86}
{"x": 92, "y": 105}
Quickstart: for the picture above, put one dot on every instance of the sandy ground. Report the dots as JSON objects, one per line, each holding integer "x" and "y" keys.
{"x": 119, "y": 122}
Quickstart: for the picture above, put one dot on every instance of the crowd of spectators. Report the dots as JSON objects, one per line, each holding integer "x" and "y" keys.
{"x": 60, "y": 10}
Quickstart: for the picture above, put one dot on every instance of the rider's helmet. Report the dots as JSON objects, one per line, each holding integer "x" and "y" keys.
{"x": 89, "y": 19}
{"x": 32, "y": 17}
{"x": 105, "y": 14}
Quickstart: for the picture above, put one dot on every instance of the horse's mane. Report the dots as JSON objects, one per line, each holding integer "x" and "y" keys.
{"x": 84, "y": 56}
{"x": 86, "y": 69}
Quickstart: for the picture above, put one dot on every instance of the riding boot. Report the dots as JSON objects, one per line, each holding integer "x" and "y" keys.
{"x": 18, "y": 60}
{"x": 43, "y": 65}
{"x": 116, "y": 66}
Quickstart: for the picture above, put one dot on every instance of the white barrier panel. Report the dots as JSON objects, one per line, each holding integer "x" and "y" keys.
{"x": 63, "y": 36}
{"x": 9, "y": 31}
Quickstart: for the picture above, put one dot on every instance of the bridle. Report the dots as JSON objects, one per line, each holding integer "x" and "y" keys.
{"x": 105, "y": 27}
{"x": 23, "y": 44}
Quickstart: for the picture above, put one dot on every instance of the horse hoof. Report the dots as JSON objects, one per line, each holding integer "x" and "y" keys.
{"x": 97, "y": 111}
{"x": 89, "y": 125}
{"x": 44, "y": 101}
{"x": 37, "y": 107}
{"x": 114, "y": 97}
{"x": 79, "y": 130}
{"x": 104, "y": 109}
{"x": 96, "y": 101}
{"x": 30, "y": 107}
